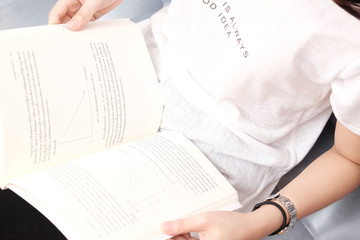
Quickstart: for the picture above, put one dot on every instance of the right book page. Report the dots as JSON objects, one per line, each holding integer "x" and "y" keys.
{"x": 127, "y": 191}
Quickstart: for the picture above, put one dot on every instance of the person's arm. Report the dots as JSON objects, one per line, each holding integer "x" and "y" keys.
{"x": 332, "y": 176}
{"x": 329, "y": 178}
{"x": 77, "y": 13}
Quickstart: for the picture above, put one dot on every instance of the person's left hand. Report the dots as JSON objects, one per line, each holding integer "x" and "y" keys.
{"x": 77, "y": 13}
{"x": 213, "y": 226}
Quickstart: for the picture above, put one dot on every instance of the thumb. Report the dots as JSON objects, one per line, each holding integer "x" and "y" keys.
{"x": 83, "y": 16}
{"x": 183, "y": 226}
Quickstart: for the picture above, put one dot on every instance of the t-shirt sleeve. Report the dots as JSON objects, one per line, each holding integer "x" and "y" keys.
{"x": 345, "y": 97}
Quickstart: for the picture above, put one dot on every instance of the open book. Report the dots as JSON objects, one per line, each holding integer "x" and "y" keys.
{"x": 79, "y": 140}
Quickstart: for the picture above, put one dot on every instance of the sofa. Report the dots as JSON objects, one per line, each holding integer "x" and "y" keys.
{"x": 19, "y": 220}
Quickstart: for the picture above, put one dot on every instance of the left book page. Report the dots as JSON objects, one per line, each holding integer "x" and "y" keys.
{"x": 65, "y": 94}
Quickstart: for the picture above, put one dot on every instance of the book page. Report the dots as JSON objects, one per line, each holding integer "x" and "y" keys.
{"x": 126, "y": 192}
{"x": 64, "y": 94}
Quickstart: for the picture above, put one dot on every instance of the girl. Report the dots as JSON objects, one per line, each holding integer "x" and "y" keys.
{"x": 256, "y": 82}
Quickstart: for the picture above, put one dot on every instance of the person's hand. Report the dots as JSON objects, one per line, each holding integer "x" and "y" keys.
{"x": 214, "y": 226}
{"x": 77, "y": 13}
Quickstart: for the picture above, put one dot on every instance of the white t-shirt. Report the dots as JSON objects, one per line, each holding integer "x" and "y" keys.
{"x": 268, "y": 71}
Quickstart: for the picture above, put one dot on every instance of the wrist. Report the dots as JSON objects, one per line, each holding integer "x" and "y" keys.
{"x": 266, "y": 219}
{"x": 285, "y": 207}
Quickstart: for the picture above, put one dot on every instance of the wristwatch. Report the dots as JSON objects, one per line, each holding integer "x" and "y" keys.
{"x": 272, "y": 199}
{"x": 289, "y": 206}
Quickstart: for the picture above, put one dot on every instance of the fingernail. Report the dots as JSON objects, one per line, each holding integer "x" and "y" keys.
{"x": 72, "y": 24}
{"x": 166, "y": 227}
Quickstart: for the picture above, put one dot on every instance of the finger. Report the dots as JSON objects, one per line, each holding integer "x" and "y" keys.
{"x": 186, "y": 236}
{"x": 183, "y": 226}
{"x": 83, "y": 16}
{"x": 58, "y": 12}
{"x": 181, "y": 237}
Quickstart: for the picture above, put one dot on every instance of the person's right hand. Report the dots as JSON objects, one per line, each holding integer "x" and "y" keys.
{"x": 225, "y": 225}
{"x": 77, "y": 13}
